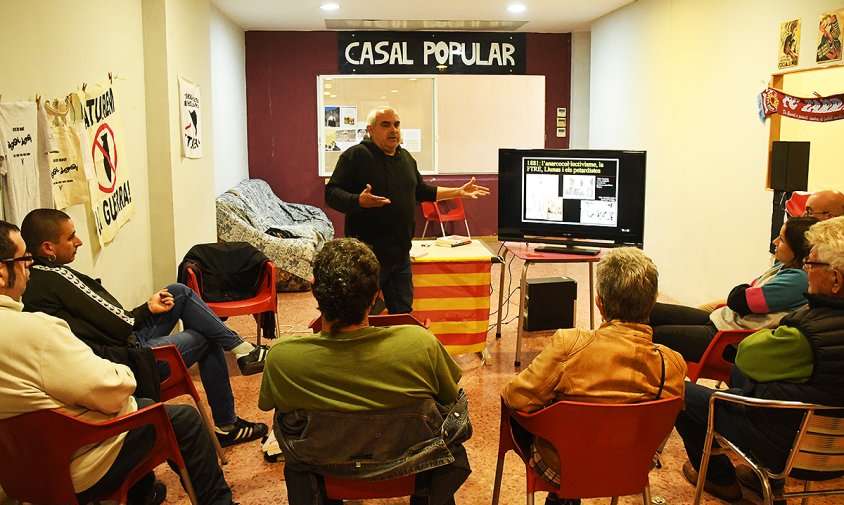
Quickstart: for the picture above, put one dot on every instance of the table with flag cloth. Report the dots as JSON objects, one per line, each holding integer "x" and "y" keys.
{"x": 451, "y": 287}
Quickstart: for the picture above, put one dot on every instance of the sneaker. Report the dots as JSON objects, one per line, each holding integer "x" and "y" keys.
{"x": 156, "y": 497}
{"x": 243, "y": 431}
{"x": 728, "y": 493}
{"x": 748, "y": 478}
{"x": 253, "y": 362}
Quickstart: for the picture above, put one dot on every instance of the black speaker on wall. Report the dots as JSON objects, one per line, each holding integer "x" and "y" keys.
{"x": 789, "y": 165}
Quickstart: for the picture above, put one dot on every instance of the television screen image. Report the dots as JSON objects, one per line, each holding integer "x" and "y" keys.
{"x": 571, "y": 197}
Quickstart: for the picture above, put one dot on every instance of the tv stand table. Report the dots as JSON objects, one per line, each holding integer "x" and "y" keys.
{"x": 529, "y": 254}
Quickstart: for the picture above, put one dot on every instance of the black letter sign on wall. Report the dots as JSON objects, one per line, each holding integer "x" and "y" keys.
{"x": 431, "y": 53}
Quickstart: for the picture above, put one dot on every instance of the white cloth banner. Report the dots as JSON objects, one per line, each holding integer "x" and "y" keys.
{"x": 110, "y": 189}
{"x": 190, "y": 127}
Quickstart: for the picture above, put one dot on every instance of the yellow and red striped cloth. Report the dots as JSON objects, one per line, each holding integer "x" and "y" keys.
{"x": 451, "y": 289}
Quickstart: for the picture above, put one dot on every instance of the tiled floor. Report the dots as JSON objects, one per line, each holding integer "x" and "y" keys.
{"x": 255, "y": 481}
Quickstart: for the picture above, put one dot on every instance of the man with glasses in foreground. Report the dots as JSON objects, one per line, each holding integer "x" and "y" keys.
{"x": 46, "y": 367}
{"x": 825, "y": 205}
{"x": 800, "y": 360}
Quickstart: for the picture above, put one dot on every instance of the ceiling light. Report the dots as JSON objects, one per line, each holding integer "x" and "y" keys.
{"x": 516, "y": 8}
{"x": 394, "y": 91}
{"x": 412, "y": 79}
{"x": 382, "y": 97}
{"x": 329, "y": 7}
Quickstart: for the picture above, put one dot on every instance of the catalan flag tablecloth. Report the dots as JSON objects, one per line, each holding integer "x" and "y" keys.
{"x": 451, "y": 288}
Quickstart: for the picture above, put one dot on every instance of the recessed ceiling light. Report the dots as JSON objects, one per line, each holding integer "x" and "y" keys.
{"x": 382, "y": 97}
{"x": 394, "y": 91}
{"x": 412, "y": 79}
{"x": 329, "y": 7}
{"x": 516, "y": 8}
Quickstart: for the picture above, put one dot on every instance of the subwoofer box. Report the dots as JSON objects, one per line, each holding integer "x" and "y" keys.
{"x": 550, "y": 303}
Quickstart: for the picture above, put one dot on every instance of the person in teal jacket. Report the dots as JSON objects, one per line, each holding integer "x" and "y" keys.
{"x": 759, "y": 304}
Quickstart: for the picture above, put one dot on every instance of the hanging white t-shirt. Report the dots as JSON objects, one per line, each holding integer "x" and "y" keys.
{"x": 25, "y": 175}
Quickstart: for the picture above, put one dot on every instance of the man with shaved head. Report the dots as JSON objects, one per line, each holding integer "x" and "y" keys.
{"x": 825, "y": 205}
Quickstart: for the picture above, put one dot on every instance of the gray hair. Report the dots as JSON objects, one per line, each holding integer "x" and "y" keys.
{"x": 827, "y": 239}
{"x": 370, "y": 118}
{"x": 627, "y": 282}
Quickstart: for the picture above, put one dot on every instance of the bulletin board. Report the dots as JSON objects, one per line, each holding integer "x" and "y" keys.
{"x": 451, "y": 124}
{"x": 825, "y": 138}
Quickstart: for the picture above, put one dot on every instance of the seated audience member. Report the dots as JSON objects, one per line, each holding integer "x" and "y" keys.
{"x": 46, "y": 367}
{"x": 338, "y": 394}
{"x": 800, "y": 360}
{"x": 617, "y": 363}
{"x": 760, "y": 304}
{"x": 825, "y": 205}
{"x": 98, "y": 319}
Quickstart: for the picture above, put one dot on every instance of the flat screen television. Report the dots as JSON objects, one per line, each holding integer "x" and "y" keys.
{"x": 572, "y": 199}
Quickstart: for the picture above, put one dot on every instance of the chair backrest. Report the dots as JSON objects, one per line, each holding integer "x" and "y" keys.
{"x": 450, "y": 209}
{"x": 605, "y": 449}
{"x": 380, "y": 320}
{"x": 796, "y": 205}
{"x": 178, "y": 383}
{"x": 354, "y": 489}
{"x": 821, "y": 448}
{"x": 264, "y": 300}
{"x": 712, "y": 364}
{"x": 36, "y": 450}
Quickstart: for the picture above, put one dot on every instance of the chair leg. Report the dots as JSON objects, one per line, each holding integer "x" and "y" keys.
{"x": 530, "y": 498}
{"x": 646, "y": 494}
{"x": 807, "y": 487}
{"x": 259, "y": 318}
{"x": 277, "y": 325}
{"x": 425, "y": 229}
{"x": 442, "y": 227}
{"x": 614, "y": 500}
{"x": 189, "y": 485}
{"x": 210, "y": 424}
{"x": 499, "y": 472}
{"x": 467, "y": 229}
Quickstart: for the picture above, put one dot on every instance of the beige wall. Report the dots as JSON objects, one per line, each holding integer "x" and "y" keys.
{"x": 51, "y": 49}
{"x": 578, "y": 115}
{"x": 228, "y": 73}
{"x": 54, "y": 45}
{"x": 679, "y": 79}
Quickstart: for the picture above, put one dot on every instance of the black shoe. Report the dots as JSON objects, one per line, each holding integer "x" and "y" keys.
{"x": 748, "y": 478}
{"x": 253, "y": 362}
{"x": 243, "y": 431}
{"x": 156, "y": 496}
{"x": 728, "y": 493}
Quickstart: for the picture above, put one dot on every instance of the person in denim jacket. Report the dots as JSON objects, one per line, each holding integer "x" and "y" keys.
{"x": 365, "y": 402}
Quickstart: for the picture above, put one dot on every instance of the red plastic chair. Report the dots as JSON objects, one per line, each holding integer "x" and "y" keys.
{"x": 36, "y": 449}
{"x": 443, "y": 211}
{"x": 796, "y": 205}
{"x": 605, "y": 449}
{"x": 264, "y": 301}
{"x": 712, "y": 364}
{"x": 179, "y": 383}
{"x": 380, "y": 320}
{"x": 357, "y": 489}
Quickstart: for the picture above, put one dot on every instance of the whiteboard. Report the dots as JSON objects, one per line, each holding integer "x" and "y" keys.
{"x": 460, "y": 121}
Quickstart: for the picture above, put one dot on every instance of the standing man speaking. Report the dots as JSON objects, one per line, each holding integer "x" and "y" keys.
{"x": 376, "y": 185}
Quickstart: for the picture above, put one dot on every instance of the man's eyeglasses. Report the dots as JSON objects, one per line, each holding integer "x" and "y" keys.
{"x": 27, "y": 258}
{"x": 808, "y": 265}
{"x": 811, "y": 213}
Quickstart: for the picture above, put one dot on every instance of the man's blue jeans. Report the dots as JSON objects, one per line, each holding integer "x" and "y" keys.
{"x": 204, "y": 341}
{"x": 397, "y": 286}
{"x": 691, "y": 425}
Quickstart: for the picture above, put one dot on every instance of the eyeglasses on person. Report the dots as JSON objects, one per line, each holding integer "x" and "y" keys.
{"x": 808, "y": 265}
{"x": 26, "y": 258}
{"x": 811, "y": 213}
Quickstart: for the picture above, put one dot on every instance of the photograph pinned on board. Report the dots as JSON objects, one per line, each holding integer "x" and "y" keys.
{"x": 789, "y": 49}
{"x": 332, "y": 116}
{"x": 829, "y": 37}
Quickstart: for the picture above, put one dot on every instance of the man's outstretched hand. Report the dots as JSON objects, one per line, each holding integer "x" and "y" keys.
{"x": 472, "y": 190}
{"x": 367, "y": 200}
